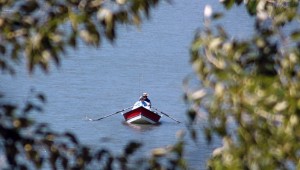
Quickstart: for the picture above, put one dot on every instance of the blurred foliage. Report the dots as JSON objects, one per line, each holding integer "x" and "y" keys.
{"x": 41, "y": 31}
{"x": 249, "y": 89}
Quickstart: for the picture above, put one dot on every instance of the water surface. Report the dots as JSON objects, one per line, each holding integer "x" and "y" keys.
{"x": 97, "y": 82}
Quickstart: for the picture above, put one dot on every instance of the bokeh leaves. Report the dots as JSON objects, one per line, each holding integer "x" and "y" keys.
{"x": 40, "y": 30}
{"x": 249, "y": 88}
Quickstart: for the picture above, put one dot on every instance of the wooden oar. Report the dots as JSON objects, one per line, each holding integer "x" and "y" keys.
{"x": 167, "y": 115}
{"x": 109, "y": 114}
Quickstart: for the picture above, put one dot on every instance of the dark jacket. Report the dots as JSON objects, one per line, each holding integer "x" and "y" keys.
{"x": 148, "y": 100}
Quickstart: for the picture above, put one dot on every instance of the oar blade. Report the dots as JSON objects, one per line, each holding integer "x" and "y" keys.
{"x": 167, "y": 115}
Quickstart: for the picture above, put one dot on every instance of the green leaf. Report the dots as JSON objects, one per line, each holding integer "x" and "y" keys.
{"x": 2, "y": 49}
{"x": 71, "y": 137}
{"x": 238, "y": 2}
{"x": 29, "y": 6}
{"x": 216, "y": 16}
{"x": 41, "y": 97}
{"x": 131, "y": 147}
{"x": 251, "y": 6}
{"x": 295, "y": 35}
{"x": 228, "y": 3}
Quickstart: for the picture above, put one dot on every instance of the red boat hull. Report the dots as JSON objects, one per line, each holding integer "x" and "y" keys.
{"x": 141, "y": 115}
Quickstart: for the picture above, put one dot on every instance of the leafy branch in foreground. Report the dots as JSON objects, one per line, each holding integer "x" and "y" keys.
{"x": 249, "y": 88}
{"x": 41, "y": 31}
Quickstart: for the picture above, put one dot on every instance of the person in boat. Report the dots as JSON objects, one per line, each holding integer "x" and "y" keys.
{"x": 142, "y": 102}
{"x": 145, "y": 95}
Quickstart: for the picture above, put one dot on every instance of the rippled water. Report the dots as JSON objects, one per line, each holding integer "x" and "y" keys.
{"x": 97, "y": 82}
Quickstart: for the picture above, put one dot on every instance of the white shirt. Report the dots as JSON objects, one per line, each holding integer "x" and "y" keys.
{"x": 141, "y": 103}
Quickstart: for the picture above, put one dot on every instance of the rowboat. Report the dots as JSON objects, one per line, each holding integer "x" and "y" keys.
{"x": 141, "y": 115}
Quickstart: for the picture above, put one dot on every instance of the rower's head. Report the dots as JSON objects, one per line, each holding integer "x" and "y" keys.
{"x": 145, "y": 94}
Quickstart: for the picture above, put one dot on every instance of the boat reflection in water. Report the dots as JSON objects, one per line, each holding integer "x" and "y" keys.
{"x": 141, "y": 127}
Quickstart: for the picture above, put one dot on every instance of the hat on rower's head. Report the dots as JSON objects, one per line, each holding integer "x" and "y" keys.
{"x": 145, "y": 94}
